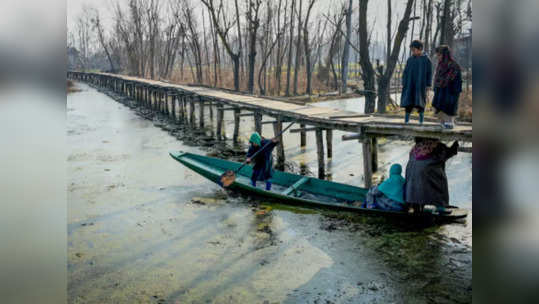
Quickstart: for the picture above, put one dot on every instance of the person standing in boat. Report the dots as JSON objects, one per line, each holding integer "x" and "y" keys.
{"x": 426, "y": 181}
{"x": 416, "y": 78}
{"x": 447, "y": 86}
{"x": 389, "y": 195}
{"x": 263, "y": 161}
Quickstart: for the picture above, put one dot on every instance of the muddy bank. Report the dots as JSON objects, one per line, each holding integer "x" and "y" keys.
{"x": 144, "y": 229}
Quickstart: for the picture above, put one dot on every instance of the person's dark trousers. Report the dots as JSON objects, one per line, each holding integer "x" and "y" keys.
{"x": 409, "y": 109}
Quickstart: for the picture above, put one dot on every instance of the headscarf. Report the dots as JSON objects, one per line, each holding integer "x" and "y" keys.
{"x": 394, "y": 185}
{"x": 447, "y": 69}
{"x": 424, "y": 148}
{"x": 255, "y": 138}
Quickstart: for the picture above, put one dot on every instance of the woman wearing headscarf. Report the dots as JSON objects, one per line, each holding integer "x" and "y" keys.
{"x": 426, "y": 181}
{"x": 447, "y": 86}
{"x": 389, "y": 194}
{"x": 263, "y": 161}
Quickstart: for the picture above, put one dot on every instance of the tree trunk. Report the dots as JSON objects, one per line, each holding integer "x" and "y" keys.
{"x": 384, "y": 80}
{"x": 428, "y": 28}
{"x": 236, "y": 66}
{"x": 254, "y": 23}
{"x": 364, "y": 59}
{"x": 298, "y": 51}
{"x": 346, "y": 51}
{"x": 447, "y": 34}
{"x": 308, "y": 65}
{"x": 291, "y": 42}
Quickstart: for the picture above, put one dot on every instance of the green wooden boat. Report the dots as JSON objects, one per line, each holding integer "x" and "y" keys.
{"x": 300, "y": 190}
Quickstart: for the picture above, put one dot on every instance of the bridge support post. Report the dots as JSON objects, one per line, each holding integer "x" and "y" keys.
{"x": 367, "y": 161}
{"x": 374, "y": 152}
{"x": 329, "y": 142}
{"x": 320, "y": 152}
{"x": 211, "y": 113}
{"x": 277, "y": 128}
{"x": 164, "y": 101}
{"x": 191, "y": 112}
{"x": 145, "y": 96}
{"x": 220, "y": 115}
{"x": 201, "y": 112}
{"x": 182, "y": 108}
{"x": 167, "y": 104}
{"x": 237, "y": 113}
{"x": 303, "y": 136}
{"x": 258, "y": 122}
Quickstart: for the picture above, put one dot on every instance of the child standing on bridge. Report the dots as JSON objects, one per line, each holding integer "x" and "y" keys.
{"x": 417, "y": 77}
{"x": 263, "y": 161}
{"x": 447, "y": 86}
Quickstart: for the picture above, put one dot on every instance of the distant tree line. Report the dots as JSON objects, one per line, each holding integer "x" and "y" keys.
{"x": 268, "y": 47}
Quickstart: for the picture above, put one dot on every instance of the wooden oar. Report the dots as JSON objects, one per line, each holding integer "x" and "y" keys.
{"x": 229, "y": 176}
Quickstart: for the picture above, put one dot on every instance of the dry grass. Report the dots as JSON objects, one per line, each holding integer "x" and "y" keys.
{"x": 465, "y": 106}
{"x": 71, "y": 87}
{"x": 226, "y": 81}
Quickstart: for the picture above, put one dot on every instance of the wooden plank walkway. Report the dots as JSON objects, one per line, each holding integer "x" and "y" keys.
{"x": 312, "y": 114}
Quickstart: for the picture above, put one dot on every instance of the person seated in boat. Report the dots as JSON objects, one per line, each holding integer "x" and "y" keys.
{"x": 389, "y": 194}
{"x": 426, "y": 181}
{"x": 263, "y": 161}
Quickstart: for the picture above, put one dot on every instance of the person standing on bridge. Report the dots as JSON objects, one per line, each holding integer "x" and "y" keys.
{"x": 263, "y": 161}
{"x": 447, "y": 86}
{"x": 417, "y": 77}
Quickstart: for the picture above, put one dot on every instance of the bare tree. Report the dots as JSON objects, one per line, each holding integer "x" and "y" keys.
{"x": 193, "y": 37}
{"x": 152, "y": 15}
{"x": 98, "y": 27}
{"x": 222, "y": 26}
{"x": 216, "y": 59}
{"x": 346, "y": 50}
{"x": 253, "y": 21}
{"x": 307, "y": 45}
{"x": 447, "y": 31}
{"x": 136, "y": 9}
{"x": 84, "y": 36}
{"x": 291, "y": 41}
{"x": 124, "y": 30}
{"x": 336, "y": 20}
{"x": 298, "y": 50}
{"x": 266, "y": 56}
{"x": 428, "y": 26}
{"x": 364, "y": 59}
{"x": 173, "y": 32}
{"x": 280, "y": 52}
{"x": 385, "y": 78}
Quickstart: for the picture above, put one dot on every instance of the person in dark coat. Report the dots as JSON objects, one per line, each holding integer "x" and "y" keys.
{"x": 447, "y": 86}
{"x": 426, "y": 181}
{"x": 263, "y": 161}
{"x": 417, "y": 77}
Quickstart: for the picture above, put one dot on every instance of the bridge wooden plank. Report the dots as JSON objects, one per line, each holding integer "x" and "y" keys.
{"x": 375, "y": 125}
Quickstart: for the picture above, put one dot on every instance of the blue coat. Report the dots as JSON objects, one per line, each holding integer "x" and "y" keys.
{"x": 263, "y": 162}
{"x": 416, "y": 78}
{"x": 447, "y": 99}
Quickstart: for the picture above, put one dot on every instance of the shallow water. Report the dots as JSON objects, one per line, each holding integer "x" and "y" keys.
{"x": 142, "y": 228}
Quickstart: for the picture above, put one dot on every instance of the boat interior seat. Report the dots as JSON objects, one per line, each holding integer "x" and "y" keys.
{"x": 294, "y": 188}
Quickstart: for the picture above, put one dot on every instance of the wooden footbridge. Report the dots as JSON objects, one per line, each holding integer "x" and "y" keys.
{"x": 180, "y": 101}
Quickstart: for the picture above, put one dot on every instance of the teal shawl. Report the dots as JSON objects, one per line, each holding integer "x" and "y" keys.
{"x": 394, "y": 185}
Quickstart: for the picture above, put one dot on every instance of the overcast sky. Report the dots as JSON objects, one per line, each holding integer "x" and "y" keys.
{"x": 377, "y": 9}
{"x": 376, "y": 13}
